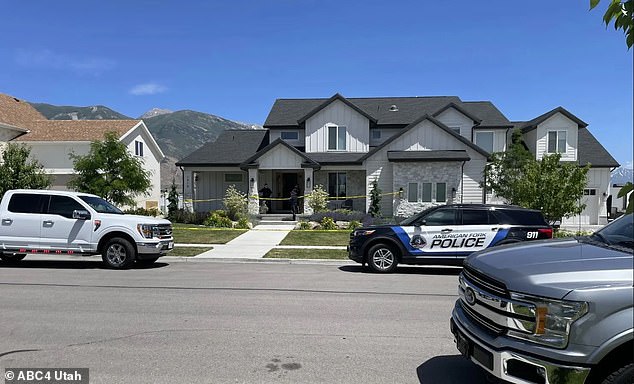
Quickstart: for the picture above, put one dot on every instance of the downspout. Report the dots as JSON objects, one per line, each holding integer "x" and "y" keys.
{"x": 462, "y": 182}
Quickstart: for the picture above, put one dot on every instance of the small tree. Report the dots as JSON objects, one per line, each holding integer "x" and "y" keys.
{"x": 235, "y": 203}
{"x": 172, "y": 199}
{"x": 110, "y": 171}
{"x": 375, "y": 200}
{"x": 627, "y": 188}
{"x": 317, "y": 199}
{"x": 549, "y": 185}
{"x": 17, "y": 171}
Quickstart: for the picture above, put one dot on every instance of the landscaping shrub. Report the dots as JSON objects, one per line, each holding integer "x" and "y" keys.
{"x": 243, "y": 223}
{"x": 218, "y": 219}
{"x": 328, "y": 223}
{"x": 564, "y": 233}
{"x": 304, "y": 225}
{"x": 235, "y": 203}
{"x": 339, "y": 215}
{"x": 353, "y": 225}
{"x": 185, "y": 217}
{"x": 143, "y": 212}
{"x": 317, "y": 200}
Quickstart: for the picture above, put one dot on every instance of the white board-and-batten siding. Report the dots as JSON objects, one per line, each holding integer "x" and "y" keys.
{"x": 557, "y": 122}
{"x": 425, "y": 136}
{"x": 337, "y": 113}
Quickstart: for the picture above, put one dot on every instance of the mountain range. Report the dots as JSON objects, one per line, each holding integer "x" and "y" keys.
{"x": 622, "y": 175}
{"x": 178, "y": 133}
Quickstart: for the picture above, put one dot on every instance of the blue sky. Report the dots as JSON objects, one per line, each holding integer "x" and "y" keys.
{"x": 234, "y": 58}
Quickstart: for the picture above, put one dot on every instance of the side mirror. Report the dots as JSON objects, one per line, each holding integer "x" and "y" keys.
{"x": 81, "y": 214}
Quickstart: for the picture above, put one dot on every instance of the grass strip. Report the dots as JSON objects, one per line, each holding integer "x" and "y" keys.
{"x": 317, "y": 237}
{"x": 188, "y": 251}
{"x": 328, "y": 254}
{"x": 204, "y": 235}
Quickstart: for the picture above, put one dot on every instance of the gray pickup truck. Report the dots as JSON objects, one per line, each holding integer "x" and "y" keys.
{"x": 554, "y": 311}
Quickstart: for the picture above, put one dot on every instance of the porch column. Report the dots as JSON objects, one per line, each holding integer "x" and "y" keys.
{"x": 188, "y": 190}
{"x": 252, "y": 196}
{"x": 309, "y": 180}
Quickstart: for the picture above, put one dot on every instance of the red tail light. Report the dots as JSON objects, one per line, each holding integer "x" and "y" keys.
{"x": 546, "y": 231}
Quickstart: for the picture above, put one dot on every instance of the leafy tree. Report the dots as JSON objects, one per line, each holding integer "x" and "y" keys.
{"x": 375, "y": 200}
{"x": 627, "y": 188}
{"x": 317, "y": 199}
{"x": 501, "y": 174}
{"x": 622, "y": 13}
{"x": 110, "y": 171}
{"x": 172, "y": 199}
{"x": 17, "y": 171}
{"x": 235, "y": 203}
{"x": 549, "y": 185}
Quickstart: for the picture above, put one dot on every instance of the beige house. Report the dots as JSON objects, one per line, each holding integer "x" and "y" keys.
{"x": 52, "y": 141}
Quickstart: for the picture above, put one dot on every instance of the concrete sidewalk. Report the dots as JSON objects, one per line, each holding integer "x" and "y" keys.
{"x": 253, "y": 244}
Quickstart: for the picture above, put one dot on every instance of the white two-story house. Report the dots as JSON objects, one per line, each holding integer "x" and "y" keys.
{"x": 52, "y": 141}
{"x": 421, "y": 151}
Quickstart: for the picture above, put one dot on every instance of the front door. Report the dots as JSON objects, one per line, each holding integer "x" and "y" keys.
{"x": 289, "y": 181}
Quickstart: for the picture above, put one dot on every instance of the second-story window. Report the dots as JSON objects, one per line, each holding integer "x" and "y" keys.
{"x": 336, "y": 137}
{"x": 556, "y": 141}
{"x": 138, "y": 148}
{"x": 289, "y": 135}
{"x": 484, "y": 140}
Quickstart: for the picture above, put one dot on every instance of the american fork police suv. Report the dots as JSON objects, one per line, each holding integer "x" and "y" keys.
{"x": 445, "y": 235}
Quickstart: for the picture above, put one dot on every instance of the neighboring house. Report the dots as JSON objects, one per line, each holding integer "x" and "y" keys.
{"x": 424, "y": 150}
{"x": 51, "y": 142}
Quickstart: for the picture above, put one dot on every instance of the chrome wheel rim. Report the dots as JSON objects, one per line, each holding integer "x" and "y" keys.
{"x": 116, "y": 254}
{"x": 383, "y": 258}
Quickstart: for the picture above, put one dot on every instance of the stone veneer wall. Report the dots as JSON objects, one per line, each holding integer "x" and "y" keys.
{"x": 428, "y": 172}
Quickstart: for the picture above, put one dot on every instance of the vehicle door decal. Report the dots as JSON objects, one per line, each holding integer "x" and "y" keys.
{"x": 470, "y": 240}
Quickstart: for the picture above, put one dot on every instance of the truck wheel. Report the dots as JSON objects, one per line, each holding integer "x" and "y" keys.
{"x": 14, "y": 257}
{"x": 118, "y": 253}
{"x": 624, "y": 375}
{"x": 382, "y": 258}
{"x": 147, "y": 261}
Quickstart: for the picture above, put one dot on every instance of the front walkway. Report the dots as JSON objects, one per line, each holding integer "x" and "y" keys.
{"x": 253, "y": 244}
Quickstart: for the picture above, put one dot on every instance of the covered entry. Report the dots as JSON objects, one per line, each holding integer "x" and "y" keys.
{"x": 282, "y": 167}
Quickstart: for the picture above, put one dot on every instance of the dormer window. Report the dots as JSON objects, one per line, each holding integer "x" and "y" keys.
{"x": 336, "y": 137}
{"x": 138, "y": 148}
{"x": 289, "y": 135}
{"x": 556, "y": 141}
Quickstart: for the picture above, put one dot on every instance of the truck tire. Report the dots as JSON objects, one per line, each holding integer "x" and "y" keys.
{"x": 623, "y": 375}
{"x": 13, "y": 257}
{"x": 382, "y": 258}
{"x": 118, "y": 253}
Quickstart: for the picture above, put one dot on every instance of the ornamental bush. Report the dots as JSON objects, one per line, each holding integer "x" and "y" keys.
{"x": 235, "y": 203}
{"x": 218, "y": 219}
{"x": 318, "y": 199}
{"x": 328, "y": 223}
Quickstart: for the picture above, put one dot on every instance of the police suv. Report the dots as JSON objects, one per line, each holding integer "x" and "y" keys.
{"x": 445, "y": 235}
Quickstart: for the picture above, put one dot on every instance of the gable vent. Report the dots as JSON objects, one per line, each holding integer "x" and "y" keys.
{"x": 393, "y": 108}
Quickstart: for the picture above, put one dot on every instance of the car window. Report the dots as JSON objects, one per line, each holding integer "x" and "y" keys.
{"x": 441, "y": 217}
{"x": 100, "y": 205}
{"x": 619, "y": 232}
{"x": 520, "y": 217}
{"x": 475, "y": 217}
{"x": 64, "y": 206}
{"x": 26, "y": 203}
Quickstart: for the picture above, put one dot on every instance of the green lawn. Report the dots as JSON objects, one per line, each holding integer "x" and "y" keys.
{"x": 192, "y": 234}
{"x": 319, "y": 237}
{"x": 188, "y": 251}
{"x": 285, "y": 253}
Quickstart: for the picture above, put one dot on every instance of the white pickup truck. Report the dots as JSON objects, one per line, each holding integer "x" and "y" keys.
{"x": 71, "y": 223}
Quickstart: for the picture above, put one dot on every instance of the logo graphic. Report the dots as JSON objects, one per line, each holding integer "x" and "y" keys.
{"x": 469, "y": 296}
{"x": 418, "y": 241}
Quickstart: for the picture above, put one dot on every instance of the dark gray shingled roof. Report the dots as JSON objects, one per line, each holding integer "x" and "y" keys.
{"x": 532, "y": 124}
{"x": 308, "y": 163}
{"x": 337, "y": 158}
{"x": 402, "y": 156}
{"x": 287, "y": 112}
{"x": 591, "y": 151}
{"x": 487, "y": 112}
{"x": 231, "y": 148}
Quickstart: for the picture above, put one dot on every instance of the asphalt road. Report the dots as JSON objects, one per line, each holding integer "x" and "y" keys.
{"x": 232, "y": 322}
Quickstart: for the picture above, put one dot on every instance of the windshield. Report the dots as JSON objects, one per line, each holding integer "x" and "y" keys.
{"x": 100, "y": 205}
{"x": 620, "y": 232}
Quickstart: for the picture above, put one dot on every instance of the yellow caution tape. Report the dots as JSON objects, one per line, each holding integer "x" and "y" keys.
{"x": 299, "y": 197}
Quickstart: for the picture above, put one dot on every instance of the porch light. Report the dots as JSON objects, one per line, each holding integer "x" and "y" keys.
{"x": 453, "y": 192}
{"x": 308, "y": 182}
{"x": 400, "y": 193}
{"x": 252, "y": 180}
